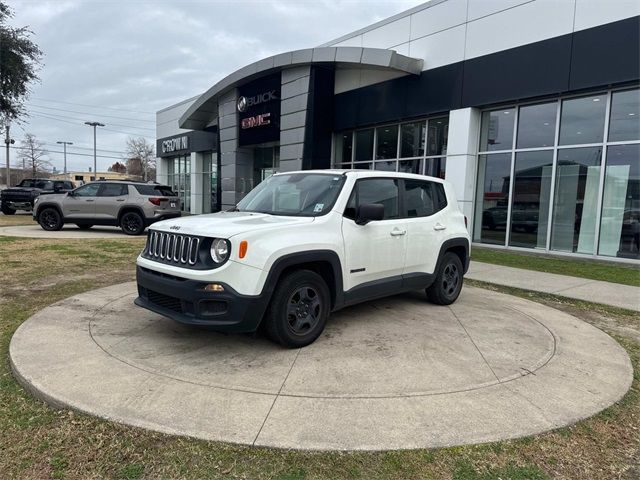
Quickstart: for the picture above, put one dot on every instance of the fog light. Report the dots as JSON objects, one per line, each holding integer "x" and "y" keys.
{"x": 213, "y": 287}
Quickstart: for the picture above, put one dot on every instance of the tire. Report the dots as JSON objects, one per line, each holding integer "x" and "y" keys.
{"x": 132, "y": 223}
{"x": 50, "y": 219}
{"x": 298, "y": 310}
{"x": 448, "y": 283}
{"x": 83, "y": 226}
{"x": 7, "y": 211}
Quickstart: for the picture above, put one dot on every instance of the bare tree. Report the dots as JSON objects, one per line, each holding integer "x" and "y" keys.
{"x": 140, "y": 157}
{"x": 33, "y": 155}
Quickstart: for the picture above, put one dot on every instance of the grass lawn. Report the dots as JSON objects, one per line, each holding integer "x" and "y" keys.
{"x": 592, "y": 269}
{"x": 39, "y": 442}
{"x": 21, "y": 218}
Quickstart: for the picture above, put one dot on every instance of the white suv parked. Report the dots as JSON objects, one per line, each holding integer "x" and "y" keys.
{"x": 304, "y": 244}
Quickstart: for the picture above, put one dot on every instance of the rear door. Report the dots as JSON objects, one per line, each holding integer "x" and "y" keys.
{"x": 424, "y": 203}
{"x": 374, "y": 252}
{"x": 111, "y": 196}
{"x": 81, "y": 204}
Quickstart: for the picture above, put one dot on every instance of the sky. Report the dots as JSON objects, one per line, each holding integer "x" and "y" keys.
{"x": 119, "y": 61}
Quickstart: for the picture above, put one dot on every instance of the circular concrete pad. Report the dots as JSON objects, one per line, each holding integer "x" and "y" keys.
{"x": 395, "y": 373}
{"x": 69, "y": 231}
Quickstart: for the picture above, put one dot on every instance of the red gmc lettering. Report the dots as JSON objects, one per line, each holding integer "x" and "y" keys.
{"x": 257, "y": 121}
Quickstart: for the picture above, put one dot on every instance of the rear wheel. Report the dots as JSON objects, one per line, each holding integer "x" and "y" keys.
{"x": 132, "y": 223}
{"x": 50, "y": 219}
{"x": 448, "y": 283}
{"x": 299, "y": 309}
{"x": 83, "y": 226}
{"x": 7, "y": 211}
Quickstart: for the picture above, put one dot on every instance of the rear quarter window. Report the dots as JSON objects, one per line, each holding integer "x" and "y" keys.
{"x": 154, "y": 190}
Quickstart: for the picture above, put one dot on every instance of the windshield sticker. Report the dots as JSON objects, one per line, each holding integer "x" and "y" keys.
{"x": 318, "y": 208}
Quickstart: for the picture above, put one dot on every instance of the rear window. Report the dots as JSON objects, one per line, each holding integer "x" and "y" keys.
{"x": 154, "y": 190}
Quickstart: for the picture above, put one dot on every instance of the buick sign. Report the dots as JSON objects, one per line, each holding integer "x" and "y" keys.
{"x": 248, "y": 102}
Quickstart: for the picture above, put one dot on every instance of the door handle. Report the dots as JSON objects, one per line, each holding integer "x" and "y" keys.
{"x": 397, "y": 233}
{"x": 90, "y": 200}
{"x": 120, "y": 200}
{"x": 439, "y": 226}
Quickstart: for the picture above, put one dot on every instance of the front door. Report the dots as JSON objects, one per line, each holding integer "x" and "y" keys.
{"x": 81, "y": 204}
{"x": 374, "y": 253}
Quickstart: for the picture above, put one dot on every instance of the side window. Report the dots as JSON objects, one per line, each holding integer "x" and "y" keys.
{"x": 441, "y": 196}
{"x": 375, "y": 190}
{"x": 89, "y": 190}
{"x": 111, "y": 190}
{"x": 419, "y": 198}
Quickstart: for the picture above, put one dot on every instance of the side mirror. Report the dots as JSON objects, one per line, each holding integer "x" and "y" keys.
{"x": 70, "y": 193}
{"x": 369, "y": 212}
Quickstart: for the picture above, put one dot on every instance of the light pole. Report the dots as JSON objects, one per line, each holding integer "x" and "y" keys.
{"x": 94, "y": 125}
{"x": 65, "y": 154}
{"x": 8, "y": 141}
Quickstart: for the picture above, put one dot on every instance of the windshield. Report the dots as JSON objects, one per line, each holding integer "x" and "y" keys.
{"x": 296, "y": 194}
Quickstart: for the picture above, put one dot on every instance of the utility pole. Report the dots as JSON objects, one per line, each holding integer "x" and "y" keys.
{"x": 65, "y": 153}
{"x": 94, "y": 125}
{"x": 8, "y": 141}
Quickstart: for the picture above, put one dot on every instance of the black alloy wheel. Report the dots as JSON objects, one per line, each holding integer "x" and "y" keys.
{"x": 50, "y": 219}
{"x": 299, "y": 309}
{"x": 7, "y": 211}
{"x": 303, "y": 310}
{"x": 448, "y": 283}
{"x": 132, "y": 223}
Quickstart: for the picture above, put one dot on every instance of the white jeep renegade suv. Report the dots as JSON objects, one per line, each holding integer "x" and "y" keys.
{"x": 304, "y": 244}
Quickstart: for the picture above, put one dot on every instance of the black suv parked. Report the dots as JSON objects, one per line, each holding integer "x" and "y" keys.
{"x": 22, "y": 196}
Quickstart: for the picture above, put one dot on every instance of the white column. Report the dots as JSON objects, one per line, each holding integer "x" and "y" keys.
{"x": 196, "y": 183}
{"x": 462, "y": 156}
{"x": 162, "y": 170}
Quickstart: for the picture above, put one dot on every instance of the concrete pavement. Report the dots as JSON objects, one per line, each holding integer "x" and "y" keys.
{"x": 391, "y": 374}
{"x": 606, "y": 293}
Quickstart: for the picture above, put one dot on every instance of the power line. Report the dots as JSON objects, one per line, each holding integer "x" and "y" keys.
{"x": 76, "y": 123}
{"x": 80, "y": 119}
{"x": 85, "y": 148}
{"x": 71, "y": 153}
{"x": 93, "y": 106}
{"x": 90, "y": 113}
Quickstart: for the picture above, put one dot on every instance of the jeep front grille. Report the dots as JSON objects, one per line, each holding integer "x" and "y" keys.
{"x": 173, "y": 248}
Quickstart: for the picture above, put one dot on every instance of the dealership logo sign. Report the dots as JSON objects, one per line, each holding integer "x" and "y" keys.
{"x": 173, "y": 144}
{"x": 247, "y": 102}
{"x": 256, "y": 121}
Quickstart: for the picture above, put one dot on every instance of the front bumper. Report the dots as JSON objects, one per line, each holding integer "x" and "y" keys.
{"x": 187, "y": 302}
{"x": 18, "y": 205}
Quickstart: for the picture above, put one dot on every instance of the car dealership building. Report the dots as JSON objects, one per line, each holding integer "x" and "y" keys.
{"x": 531, "y": 109}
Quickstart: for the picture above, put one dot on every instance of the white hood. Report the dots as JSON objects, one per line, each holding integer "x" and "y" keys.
{"x": 227, "y": 224}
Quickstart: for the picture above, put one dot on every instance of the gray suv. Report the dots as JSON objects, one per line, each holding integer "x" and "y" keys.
{"x": 132, "y": 206}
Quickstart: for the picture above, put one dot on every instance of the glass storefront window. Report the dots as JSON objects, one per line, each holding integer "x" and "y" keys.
{"x": 344, "y": 147}
{"x": 620, "y": 222}
{"x": 363, "y": 166}
{"x": 492, "y": 201}
{"x": 364, "y": 145}
{"x": 497, "y": 130}
{"x": 387, "y": 142}
{"x": 438, "y": 133}
{"x": 409, "y": 166}
{"x": 625, "y": 116}
{"x": 412, "y": 137}
{"x": 537, "y": 125}
{"x": 435, "y": 167}
{"x": 582, "y": 120}
{"x": 576, "y": 198}
{"x": 389, "y": 166}
{"x": 531, "y": 195}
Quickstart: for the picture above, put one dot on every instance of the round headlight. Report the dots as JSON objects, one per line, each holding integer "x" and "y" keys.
{"x": 219, "y": 250}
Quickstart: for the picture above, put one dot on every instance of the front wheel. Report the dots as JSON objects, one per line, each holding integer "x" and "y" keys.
{"x": 50, "y": 219}
{"x": 132, "y": 223}
{"x": 7, "y": 211}
{"x": 299, "y": 309}
{"x": 448, "y": 283}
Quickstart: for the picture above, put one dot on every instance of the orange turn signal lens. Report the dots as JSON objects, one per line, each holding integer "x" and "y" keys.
{"x": 213, "y": 287}
{"x": 243, "y": 248}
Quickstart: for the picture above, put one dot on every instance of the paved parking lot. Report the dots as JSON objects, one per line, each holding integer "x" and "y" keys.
{"x": 392, "y": 374}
